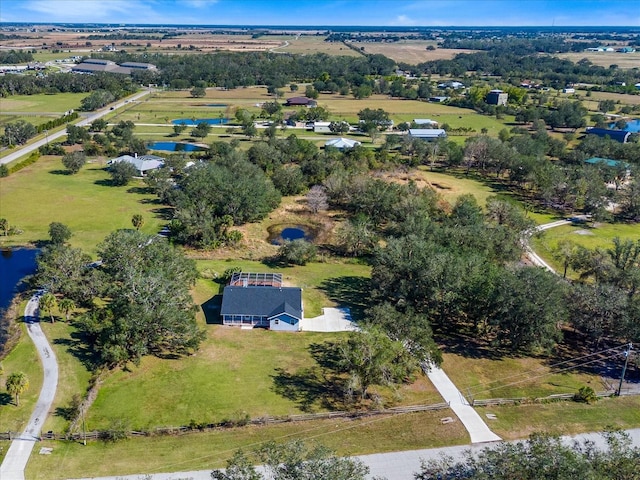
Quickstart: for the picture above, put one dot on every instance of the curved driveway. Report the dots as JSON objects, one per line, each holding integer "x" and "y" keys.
{"x": 55, "y": 135}
{"x": 15, "y": 461}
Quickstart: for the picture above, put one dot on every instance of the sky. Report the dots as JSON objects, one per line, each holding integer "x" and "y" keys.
{"x": 328, "y": 12}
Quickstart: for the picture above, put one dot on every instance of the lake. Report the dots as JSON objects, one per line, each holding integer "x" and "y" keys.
{"x": 175, "y": 147}
{"x": 193, "y": 122}
{"x": 15, "y": 264}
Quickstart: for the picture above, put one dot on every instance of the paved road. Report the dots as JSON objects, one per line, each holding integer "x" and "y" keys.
{"x": 536, "y": 259}
{"x": 19, "y": 152}
{"x": 15, "y": 461}
{"x": 393, "y": 466}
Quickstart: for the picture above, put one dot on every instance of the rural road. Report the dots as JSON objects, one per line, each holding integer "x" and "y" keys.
{"x": 392, "y": 466}
{"x": 533, "y": 256}
{"x": 19, "y": 152}
{"x": 15, "y": 461}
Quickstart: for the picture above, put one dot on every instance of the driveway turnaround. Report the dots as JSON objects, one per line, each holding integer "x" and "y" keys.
{"x": 15, "y": 461}
{"x": 478, "y": 430}
{"x": 392, "y": 465}
{"x": 331, "y": 320}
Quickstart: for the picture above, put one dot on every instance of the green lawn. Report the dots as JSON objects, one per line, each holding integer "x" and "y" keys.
{"x": 23, "y": 358}
{"x": 585, "y": 235}
{"x": 201, "y": 451}
{"x": 58, "y": 103}
{"x": 43, "y": 193}
{"x": 564, "y": 418}
{"x": 482, "y": 377}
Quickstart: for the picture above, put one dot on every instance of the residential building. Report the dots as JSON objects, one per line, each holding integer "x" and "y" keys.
{"x": 301, "y": 102}
{"x": 425, "y": 122}
{"x": 143, "y": 163}
{"x": 497, "y": 97}
{"x": 260, "y": 300}
{"x": 342, "y": 143}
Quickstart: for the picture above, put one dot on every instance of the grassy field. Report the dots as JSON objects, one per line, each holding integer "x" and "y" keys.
{"x": 412, "y": 52}
{"x": 58, "y": 103}
{"x": 207, "y": 450}
{"x": 43, "y": 193}
{"x": 563, "y": 418}
{"x": 605, "y": 59}
{"x": 308, "y": 44}
{"x": 600, "y": 236}
{"x": 23, "y": 358}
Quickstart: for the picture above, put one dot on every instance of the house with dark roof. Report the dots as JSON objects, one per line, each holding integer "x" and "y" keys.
{"x": 301, "y": 102}
{"x": 256, "y": 300}
{"x": 621, "y": 136}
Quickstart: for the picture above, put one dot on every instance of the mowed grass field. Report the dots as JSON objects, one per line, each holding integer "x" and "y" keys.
{"x": 58, "y": 103}
{"x": 23, "y": 358}
{"x": 586, "y": 235}
{"x": 208, "y": 450}
{"x": 310, "y": 44}
{"x": 43, "y": 193}
{"x": 605, "y": 59}
{"x": 412, "y": 52}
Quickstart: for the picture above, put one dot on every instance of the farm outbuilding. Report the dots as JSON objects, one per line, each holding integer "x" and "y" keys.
{"x": 342, "y": 143}
{"x": 301, "y": 102}
{"x": 497, "y": 97}
{"x": 428, "y": 134}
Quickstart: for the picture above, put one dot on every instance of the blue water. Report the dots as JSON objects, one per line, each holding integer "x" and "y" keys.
{"x": 15, "y": 264}
{"x": 190, "y": 122}
{"x": 632, "y": 126}
{"x": 175, "y": 147}
{"x": 219, "y": 105}
{"x": 292, "y": 233}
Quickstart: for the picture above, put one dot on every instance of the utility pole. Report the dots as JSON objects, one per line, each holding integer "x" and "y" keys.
{"x": 627, "y": 354}
{"x": 84, "y": 428}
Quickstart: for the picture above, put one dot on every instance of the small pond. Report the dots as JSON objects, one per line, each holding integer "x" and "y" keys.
{"x": 632, "y": 126}
{"x": 278, "y": 234}
{"x": 15, "y": 264}
{"x": 175, "y": 147}
{"x": 192, "y": 122}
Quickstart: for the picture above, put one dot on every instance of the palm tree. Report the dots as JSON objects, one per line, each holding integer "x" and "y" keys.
{"x": 66, "y": 305}
{"x": 17, "y": 384}
{"x": 48, "y": 302}
{"x": 137, "y": 220}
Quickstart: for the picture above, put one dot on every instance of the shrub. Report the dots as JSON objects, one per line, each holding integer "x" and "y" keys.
{"x": 297, "y": 252}
{"x": 585, "y": 395}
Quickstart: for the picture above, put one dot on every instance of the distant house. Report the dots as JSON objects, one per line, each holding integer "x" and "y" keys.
{"x": 451, "y": 84}
{"x": 301, "y": 102}
{"x": 438, "y": 99}
{"x": 342, "y": 143}
{"x": 143, "y": 163}
{"x": 260, "y": 300}
{"x": 425, "y": 122}
{"x": 321, "y": 127}
{"x": 428, "y": 134}
{"x": 569, "y": 90}
{"x": 621, "y": 136}
{"x": 497, "y": 97}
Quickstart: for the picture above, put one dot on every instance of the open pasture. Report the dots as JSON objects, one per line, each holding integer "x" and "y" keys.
{"x": 605, "y": 59}
{"x": 86, "y": 202}
{"x": 412, "y": 52}
{"x": 310, "y": 44}
{"x": 41, "y": 103}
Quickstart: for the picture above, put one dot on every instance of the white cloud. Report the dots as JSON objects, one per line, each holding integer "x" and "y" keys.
{"x": 98, "y": 11}
{"x": 402, "y": 20}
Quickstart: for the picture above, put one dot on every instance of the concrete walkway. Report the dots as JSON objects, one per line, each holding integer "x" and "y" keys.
{"x": 392, "y": 465}
{"x": 15, "y": 461}
{"x": 477, "y": 428}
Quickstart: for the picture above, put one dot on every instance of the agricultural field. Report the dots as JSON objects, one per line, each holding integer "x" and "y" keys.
{"x": 605, "y": 59}
{"x": 310, "y": 44}
{"x": 410, "y": 51}
{"x": 42, "y": 103}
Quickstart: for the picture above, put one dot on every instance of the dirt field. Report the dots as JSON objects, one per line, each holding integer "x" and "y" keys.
{"x": 605, "y": 59}
{"x": 411, "y": 51}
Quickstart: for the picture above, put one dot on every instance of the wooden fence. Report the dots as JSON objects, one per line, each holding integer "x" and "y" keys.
{"x": 182, "y": 430}
{"x": 551, "y": 398}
